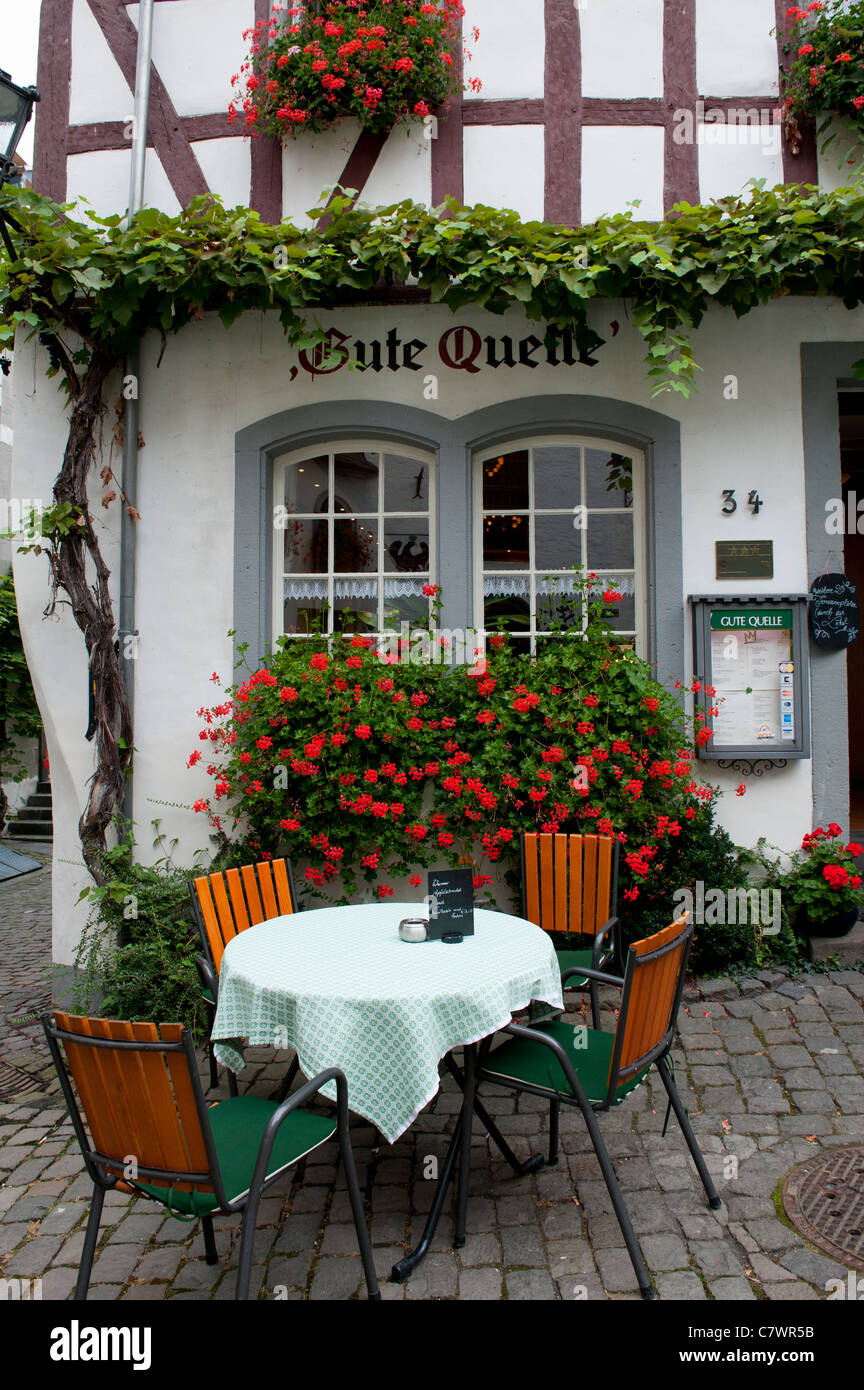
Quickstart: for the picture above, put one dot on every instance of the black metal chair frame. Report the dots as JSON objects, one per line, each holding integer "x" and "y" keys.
{"x": 99, "y": 1165}
{"x": 209, "y": 977}
{"x": 657, "y": 1056}
{"x": 612, "y": 928}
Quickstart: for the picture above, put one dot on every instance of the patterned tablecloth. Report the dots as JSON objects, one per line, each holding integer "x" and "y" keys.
{"x": 340, "y": 986}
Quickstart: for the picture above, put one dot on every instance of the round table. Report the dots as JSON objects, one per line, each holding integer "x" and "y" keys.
{"x": 342, "y": 988}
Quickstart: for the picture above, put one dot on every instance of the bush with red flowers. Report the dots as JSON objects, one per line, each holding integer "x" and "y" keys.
{"x": 382, "y": 61}
{"x": 824, "y": 75}
{"x": 362, "y": 769}
{"x": 824, "y": 881}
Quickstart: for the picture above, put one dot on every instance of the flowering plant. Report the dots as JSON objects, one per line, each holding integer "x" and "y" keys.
{"x": 826, "y": 883}
{"x": 826, "y": 74}
{"x": 369, "y": 766}
{"x": 382, "y": 61}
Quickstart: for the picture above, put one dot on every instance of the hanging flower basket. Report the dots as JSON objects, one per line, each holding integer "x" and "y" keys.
{"x": 380, "y": 61}
{"x": 824, "y": 75}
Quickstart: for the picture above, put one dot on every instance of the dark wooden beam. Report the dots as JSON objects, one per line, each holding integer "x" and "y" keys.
{"x": 165, "y": 128}
{"x": 802, "y": 167}
{"x": 681, "y": 171}
{"x": 52, "y": 112}
{"x": 563, "y": 106}
{"x": 266, "y": 191}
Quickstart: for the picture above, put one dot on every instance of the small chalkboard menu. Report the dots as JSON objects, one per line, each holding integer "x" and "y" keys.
{"x": 834, "y": 618}
{"x": 451, "y": 903}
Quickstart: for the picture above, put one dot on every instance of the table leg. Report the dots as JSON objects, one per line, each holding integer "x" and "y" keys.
{"x": 401, "y": 1271}
{"x": 465, "y": 1165}
{"x": 531, "y": 1165}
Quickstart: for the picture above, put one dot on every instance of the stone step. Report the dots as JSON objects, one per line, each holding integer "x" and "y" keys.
{"x": 43, "y": 787}
{"x": 22, "y": 828}
{"x": 35, "y": 812}
{"x": 849, "y": 948}
{"x": 39, "y": 799}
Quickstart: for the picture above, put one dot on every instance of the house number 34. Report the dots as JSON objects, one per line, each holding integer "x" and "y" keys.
{"x": 754, "y": 501}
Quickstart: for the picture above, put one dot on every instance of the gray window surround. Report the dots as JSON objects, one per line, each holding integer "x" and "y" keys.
{"x": 453, "y": 443}
{"x": 825, "y": 369}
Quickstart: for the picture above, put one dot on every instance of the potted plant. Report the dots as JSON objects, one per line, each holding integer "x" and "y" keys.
{"x": 380, "y": 61}
{"x": 824, "y": 78}
{"x": 823, "y": 886}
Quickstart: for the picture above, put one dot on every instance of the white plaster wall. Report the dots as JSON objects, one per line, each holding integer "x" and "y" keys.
{"x": 54, "y": 646}
{"x": 198, "y": 45}
{"x": 730, "y": 155}
{"x": 504, "y": 167}
{"x": 102, "y": 179}
{"x": 403, "y": 169}
{"x": 311, "y": 163}
{"x": 621, "y": 164}
{"x": 622, "y": 48}
{"x": 839, "y": 163}
{"x": 227, "y": 167}
{"x": 509, "y": 56}
{"x": 213, "y": 382}
{"x": 98, "y": 90}
{"x": 736, "y": 53}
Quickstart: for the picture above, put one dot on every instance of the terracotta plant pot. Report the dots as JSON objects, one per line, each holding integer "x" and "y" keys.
{"x": 839, "y": 925}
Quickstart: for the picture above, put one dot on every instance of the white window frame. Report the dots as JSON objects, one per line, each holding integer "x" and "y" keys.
{"x": 331, "y": 448}
{"x": 638, "y": 512}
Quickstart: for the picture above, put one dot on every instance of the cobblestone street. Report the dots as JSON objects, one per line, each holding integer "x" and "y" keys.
{"x": 771, "y": 1070}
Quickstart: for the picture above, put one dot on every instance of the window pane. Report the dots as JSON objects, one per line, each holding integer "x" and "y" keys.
{"x": 406, "y": 544}
{"x": 622, "y": 615}
{"x": 505, "y": 482}
{"x": 610, "y": 542}
{"x": 356, "y": 483}
{"x": 353, "y": 611}
{"x": 557, "y": 481}
{"x": 557, "y": 542}
{"x": 306, "y": 547}
{"x": 306, "y": 485}
{"x": 505, "y": 542}
{"x": 406, "y": 484}
{"x": 558, "y": 608}
{"x": 608, "y": 479}
{"x": 356, "y": 546}
{"x": 401, "y": 607}
{"x": 305, "y": 614}
{"x": 503, "y": 613}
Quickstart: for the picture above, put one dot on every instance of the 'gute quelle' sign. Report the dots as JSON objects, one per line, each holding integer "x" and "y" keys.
{"x": 459, "y": 349}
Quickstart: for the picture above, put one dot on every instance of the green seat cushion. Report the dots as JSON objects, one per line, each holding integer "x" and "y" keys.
{"x": 531, "y": 1063}
{"x": 567, "y": 959}
{"x": 238, "y": 1125}
{"x": 207, "y": 996}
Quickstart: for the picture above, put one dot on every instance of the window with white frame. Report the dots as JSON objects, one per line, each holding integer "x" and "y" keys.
{"x": 543, "y": 508}
{"x": 354, "y": 538}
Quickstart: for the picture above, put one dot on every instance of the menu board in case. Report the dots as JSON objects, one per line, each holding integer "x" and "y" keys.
{"x": 752, "y": 654}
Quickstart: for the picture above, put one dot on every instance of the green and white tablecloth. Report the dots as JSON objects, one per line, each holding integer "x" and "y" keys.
{"x": 339, "y": 986}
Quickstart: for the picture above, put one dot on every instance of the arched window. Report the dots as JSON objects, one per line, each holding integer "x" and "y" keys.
{"x": 545, "y": 507}
{"x": 354, "y": 538}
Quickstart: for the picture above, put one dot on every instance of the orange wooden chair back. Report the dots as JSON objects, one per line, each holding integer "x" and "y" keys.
{"x": 138, "y": 1105}
{"x": 651, "y": 992}
{"x": 568, "y": 881}
{"x": 241, "y": 898}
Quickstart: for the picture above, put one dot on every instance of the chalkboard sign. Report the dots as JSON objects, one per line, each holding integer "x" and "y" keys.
{"x": 451, "y": 902}
{"x": 834, "y": 618}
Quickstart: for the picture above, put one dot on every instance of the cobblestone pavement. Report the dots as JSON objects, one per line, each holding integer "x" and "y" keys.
{"x": 771, "y": 1070}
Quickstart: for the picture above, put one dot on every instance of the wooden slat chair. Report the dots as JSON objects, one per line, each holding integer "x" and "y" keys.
{"x": 226, "y": 904}
{"x": 151, "y": 1133}
{"x": 570, "y": 886}
{"x": 574, "y": 1065}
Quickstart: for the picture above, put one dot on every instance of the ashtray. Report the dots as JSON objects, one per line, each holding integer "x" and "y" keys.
{"x": 413, "y": 929}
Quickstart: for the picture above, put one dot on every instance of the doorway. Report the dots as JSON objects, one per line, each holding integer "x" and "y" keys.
{"x": 851, "y": 413}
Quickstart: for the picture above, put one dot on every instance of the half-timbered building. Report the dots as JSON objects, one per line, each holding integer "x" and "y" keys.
{"x": 453, "y": 425}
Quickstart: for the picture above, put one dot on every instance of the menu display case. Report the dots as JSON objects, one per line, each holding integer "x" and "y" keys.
{"x": 752, "y": 653}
